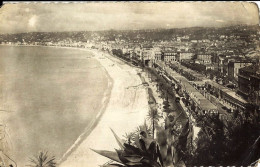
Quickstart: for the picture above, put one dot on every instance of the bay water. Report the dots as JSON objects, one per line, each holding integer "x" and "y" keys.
{"x": 51, "y": 94}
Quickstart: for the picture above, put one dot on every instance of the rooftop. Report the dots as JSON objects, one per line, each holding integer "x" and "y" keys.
{"x": 169, "y": 51}
{"x": 227, "y": 91}
{"x": 234, "y": 95}
{"x": 204, "y": 103}
{"x": 252, "y": 68}
{"x": 147, "y": 46}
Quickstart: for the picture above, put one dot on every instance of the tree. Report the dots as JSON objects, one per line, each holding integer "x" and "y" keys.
{"x": 117, "y": 52}
{"x": 144, "y": 128}
{"x": 202, "y": 151}
{"x": 129, "y": 137}
{"x": 166, "y": 106}
{"x": 42, "y": 160}
{"x": 181, "y": 142}
{"x": 154, "y": 117}
{"x": 194, "y": 57}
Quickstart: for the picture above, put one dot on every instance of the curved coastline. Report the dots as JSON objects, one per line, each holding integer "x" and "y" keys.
{"x": 127, "y": 109}
{"x": 123, "y": 108}
{"x": 101, "y": 109}
{"x": 94, "y": 122}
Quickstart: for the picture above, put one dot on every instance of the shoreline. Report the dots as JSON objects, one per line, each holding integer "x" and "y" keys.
{"x": 94, "y": 122}
{"x": 104, "y": 102}
{"x": 124, "y": 106}
{"x": 120, "y": 107}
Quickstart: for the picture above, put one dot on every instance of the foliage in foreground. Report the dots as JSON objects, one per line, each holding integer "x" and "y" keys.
{"x": 144, "y": 153}
{"x": 234, "y": 143}
{"x": 42, "y": 160}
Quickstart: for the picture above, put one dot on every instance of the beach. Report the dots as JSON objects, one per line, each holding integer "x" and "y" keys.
{"x": 126, "y": 110}
{"x": 49, "y": 97}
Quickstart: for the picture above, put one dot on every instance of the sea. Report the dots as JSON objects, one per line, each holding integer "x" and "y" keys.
{"x": 51, "y": 95}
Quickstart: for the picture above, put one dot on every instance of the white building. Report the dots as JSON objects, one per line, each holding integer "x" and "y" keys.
{"x": 185, "y": 56}
{"x": 204, "y": 58}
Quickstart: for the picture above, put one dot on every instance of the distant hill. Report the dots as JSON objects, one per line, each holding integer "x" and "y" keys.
{"x": 130, "y": 35}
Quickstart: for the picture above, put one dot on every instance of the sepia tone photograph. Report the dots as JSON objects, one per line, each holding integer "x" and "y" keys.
{"x": 129, "y": 84}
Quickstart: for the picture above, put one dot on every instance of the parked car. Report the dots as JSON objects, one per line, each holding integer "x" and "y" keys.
{"x": 177, "y": 99}
{"x": 224, "y": 108}
{"x": 229, "y": 110}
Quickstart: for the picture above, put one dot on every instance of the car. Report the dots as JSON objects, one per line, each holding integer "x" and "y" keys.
{"x": 229, "y": 110}
{"x": 224, "y": 108}
{"x": 183, "y": 99}
{"x": 135, "y": 64}
{"x": 177, "y": 99}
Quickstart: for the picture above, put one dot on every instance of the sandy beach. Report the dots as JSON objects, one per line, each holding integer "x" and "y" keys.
{"x": 126, "y": 109}
{"x": 123, "y": 108}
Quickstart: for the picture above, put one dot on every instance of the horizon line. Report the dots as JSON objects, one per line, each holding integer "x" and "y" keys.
{"x": 131, "y": 29}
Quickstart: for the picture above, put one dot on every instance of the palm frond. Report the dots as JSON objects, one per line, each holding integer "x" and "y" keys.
{"x": 118, "y": 140}
{"x": 144, "y": 128}
{"x": 135, "y": 156}
{"x": 129, "y": 137}
{"x": 108, "y": 154}
{"x": 42, "y": 160}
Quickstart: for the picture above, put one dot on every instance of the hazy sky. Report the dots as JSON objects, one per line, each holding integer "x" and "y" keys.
{"x": 22, "y": 17}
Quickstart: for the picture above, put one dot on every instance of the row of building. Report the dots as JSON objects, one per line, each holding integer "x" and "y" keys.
{"x": 244, "y": 98}
{"x": 249, "y": 83}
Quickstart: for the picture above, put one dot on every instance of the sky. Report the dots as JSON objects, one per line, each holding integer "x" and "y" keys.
{"x": 92, "y": 16}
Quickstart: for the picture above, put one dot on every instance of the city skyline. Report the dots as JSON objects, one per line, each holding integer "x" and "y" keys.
{"x": 37, "y": 17}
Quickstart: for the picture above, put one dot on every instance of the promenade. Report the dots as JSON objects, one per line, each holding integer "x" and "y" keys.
{"x": 196, "y": 96}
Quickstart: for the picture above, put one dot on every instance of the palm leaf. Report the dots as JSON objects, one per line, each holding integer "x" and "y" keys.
{"x": 113, "y": 165}
{"x": 108, "y": 154}
{"x": 133, "y": 163}
{"x": 42, "y": 160}
{"x": 136, "y": 140}
{"x": 129, "y": 137}
{"x": 119, "y": 141}
{"x": 121, "y": 155}
{"x": 132, "y": 150}
{"x": 134, "y": 158}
